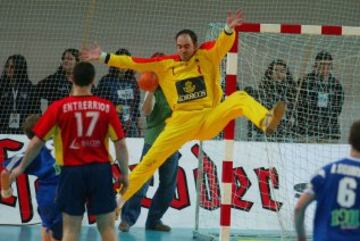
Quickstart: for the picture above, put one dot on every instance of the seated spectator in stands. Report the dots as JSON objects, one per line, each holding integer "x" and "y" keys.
{"x": 57, "y": 85}
{"x": 17, "y": 97}
{"x": 120, "y": 87}
{"x": 321, "y": 99}
{"x": 277, "y": 84}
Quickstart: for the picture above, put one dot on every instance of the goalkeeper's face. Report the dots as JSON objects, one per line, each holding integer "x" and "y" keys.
{"x": 185, "y": 47}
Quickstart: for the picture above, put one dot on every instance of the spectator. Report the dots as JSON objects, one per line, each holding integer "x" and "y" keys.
{"x": 120, "y": 87}
{"x": 277, "y": 84}
{"x": 336, "y": 190}
{"x": 156, "y": 110}
{"x": 321, "y": 99}
{"x": 57, "y": 85}
{"x": 16, "y": 95}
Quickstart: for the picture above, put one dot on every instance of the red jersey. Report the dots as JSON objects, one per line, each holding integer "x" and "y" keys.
{"x": 81, "y": 127}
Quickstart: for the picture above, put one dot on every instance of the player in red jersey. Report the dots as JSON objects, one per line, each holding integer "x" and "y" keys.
{"x": 81, "y": 126}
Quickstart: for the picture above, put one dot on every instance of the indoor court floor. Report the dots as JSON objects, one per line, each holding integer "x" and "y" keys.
{"x": 32, "y": 233}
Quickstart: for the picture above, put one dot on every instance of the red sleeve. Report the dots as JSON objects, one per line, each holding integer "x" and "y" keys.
{"x": 115, "y": 129}
{"x": 47, "y": 124}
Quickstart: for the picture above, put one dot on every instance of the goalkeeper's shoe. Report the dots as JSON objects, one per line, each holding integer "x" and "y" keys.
{"x": 273, "y": 118}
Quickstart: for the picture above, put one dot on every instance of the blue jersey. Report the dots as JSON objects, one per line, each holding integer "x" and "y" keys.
{"x": 43, "y": 167}
{"x": 337, "y": 190}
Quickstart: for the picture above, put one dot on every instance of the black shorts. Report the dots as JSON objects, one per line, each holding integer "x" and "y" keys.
{"x": 88, "y": 184}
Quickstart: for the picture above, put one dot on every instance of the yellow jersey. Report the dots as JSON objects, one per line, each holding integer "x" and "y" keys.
{"x": 187, "y": 85}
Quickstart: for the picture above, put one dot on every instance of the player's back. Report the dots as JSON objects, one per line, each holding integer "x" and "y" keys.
{"x": 337, "y": 189}
{"x": 81, "y": 126}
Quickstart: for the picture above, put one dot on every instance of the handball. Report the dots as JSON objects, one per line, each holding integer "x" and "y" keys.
{"x": 148, "y": 81}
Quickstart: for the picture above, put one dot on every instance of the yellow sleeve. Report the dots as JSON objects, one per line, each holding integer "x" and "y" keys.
{"x": 134, "y": 63}
{"x": 222, "y": 45}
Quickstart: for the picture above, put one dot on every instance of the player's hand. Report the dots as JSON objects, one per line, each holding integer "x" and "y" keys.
{"x": 124, "y": 184}
{"x": 17, "y": 171}
{"x": 90, "y": 53}
{"x": 235, "y": 18}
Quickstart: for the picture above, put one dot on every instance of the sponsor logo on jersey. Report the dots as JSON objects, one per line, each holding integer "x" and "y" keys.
{"x": 191, "y": 89}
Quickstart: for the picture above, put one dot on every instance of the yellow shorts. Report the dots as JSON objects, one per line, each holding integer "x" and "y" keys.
{"x": 184, "y": 126}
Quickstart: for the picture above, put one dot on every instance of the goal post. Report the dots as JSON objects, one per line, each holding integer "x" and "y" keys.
{"x": 268, "y": 174}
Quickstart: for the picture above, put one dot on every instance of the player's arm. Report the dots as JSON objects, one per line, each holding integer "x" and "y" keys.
{"x": 299, "y": 214}
{"x": 32, "y": 151}
{"x": 122, "y": 157}
{"x": 43, "y": 130}
{"x": 120, "y": 61}
{"x": 148, "y": 104}
{"x": 227, "y": 37}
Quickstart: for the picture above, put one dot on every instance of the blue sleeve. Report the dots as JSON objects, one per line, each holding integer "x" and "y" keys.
{"x": 12, "y": 162}
{"x": 318, "y": 180}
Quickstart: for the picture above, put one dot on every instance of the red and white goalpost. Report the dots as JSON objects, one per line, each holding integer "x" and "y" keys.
{"x": 284, "y": 167}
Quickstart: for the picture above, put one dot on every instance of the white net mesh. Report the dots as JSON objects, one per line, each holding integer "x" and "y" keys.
{"x": 314, "y": 74}
{"x": 319, "y": 82}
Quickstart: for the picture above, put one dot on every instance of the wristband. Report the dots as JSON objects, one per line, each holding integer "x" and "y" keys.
{"x": 103, "y": 56}
{"x": 227, "y": 29}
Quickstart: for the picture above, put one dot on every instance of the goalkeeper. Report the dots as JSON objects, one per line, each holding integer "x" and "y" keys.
{"x": 190, "y": 81}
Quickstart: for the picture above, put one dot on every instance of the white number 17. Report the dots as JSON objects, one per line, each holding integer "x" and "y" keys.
{"x": 94, "y": 115}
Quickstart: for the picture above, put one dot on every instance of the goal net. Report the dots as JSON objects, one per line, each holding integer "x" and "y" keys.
{"x": 281, "y": 62}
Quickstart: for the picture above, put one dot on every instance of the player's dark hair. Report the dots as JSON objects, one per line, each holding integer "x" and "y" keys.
{"x": 354, "y": 137}
{"x": 189, "y": 32}
{"x": 29, "y": 124}
{"x": 84, "y": 74}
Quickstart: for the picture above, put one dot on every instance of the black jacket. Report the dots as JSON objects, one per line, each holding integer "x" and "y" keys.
{"x": 16, "y": 98}
{"x": 319, "y": 107}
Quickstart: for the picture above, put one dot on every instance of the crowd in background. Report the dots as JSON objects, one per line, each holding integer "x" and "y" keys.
{"x": 314, "y": 102}
{"x": 19, "y": 97}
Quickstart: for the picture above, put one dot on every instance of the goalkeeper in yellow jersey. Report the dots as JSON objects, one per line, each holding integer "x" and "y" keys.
{"x": 190, "y": 80}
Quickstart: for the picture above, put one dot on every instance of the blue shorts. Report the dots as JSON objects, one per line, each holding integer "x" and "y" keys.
{"x": 50, "y": 214}
{"x": 51, "y": 219}
{"x": 88, "y": 184}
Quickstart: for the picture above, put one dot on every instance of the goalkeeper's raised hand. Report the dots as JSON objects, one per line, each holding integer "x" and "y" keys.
{"x": 234, "y": 19}
{"x": 90, "y": 53}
